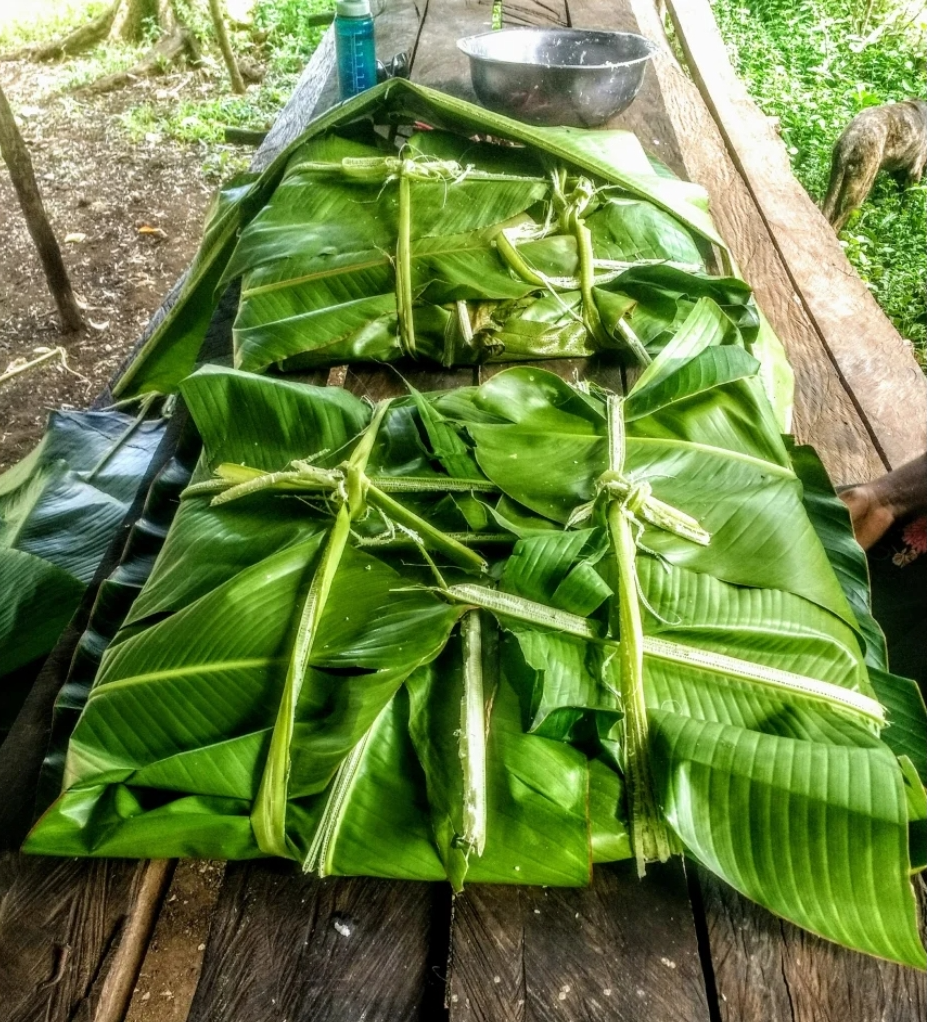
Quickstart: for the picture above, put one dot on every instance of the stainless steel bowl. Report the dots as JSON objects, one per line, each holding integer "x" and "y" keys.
{"x": 557, "y": 75}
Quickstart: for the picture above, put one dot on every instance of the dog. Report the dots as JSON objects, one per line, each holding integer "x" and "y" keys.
{"x": 892, "y": 137}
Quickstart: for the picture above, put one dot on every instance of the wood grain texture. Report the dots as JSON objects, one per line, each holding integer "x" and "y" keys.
{"x": 378, "y": 382}
{"x": 438, "y": 63}
{"x": 825, "y": 414}
{"x": 540, "y": 13}
{"x": 880, "y": 371}
{"x": 621, "y": 950}
{"x": 767, "y": 970}
{"x": 61, "y": 923}
{"x": 301, "y": 106}
{"x": 527, "y": 954}
{"x": 647, "y": 116}
{"x": 287, "y": 946}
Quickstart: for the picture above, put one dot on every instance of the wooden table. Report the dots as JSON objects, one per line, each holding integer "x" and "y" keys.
{"x": 255, "y": 942}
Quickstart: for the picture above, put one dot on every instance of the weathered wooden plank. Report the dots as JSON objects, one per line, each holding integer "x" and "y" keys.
{"x": 622, "y": 949}
{"x": 825, "y": 414}
{"x": 287, "y": 946}
{"x": 71, "y": 935}
{"x": 438, "y": 63}
{"x": 647, "y": 116}
{"x": 367, "y": 380}
{"x": 765, "y": 969}
{"x": 529, "y": 954}
{"x": 880, "y": 371}
{"x": 536, "y": 13}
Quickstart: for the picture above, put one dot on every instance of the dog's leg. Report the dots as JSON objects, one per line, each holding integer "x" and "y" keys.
{"x": 859, "y": 175}
{"x": 834, "y": 187}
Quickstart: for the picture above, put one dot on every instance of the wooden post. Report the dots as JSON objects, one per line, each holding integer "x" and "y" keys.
{"x": 139, "y": 925}
{"x": 225, "y": 46}
{"x": 16, "y": 155}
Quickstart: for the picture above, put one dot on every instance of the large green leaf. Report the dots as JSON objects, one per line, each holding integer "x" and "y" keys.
{"x": 295, "y": 225}
{"x": 750, "y": 505}
{"x": 906, "y": 734}
{"x": 817, "y": 833}
{"x": 536, "y": 791}
{"x": 252, "y": 561}
{"x": 59, "y": 510}
{"x": 678, "y": 663}
{"x": 319, "y": 263}
{"x": 37, "y": 600}
{"x": 831, "y": 520}
{"x": 786, "y": 612}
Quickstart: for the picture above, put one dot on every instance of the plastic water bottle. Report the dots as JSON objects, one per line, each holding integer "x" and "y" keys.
{"x": 357, "y": 62}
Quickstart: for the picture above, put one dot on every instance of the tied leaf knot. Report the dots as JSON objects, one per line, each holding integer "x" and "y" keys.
{"x": 636, "y": 502}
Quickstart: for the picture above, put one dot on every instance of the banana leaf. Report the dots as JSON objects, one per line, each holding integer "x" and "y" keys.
{"x": 380, "y": 641}
{"x": 59, "y": 509}
{"x": 253, "y": 563}
{"x": 326, "y": 262}
{"x": 326, "y": 214}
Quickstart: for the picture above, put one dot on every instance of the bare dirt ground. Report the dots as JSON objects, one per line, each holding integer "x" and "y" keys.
{"x": 134, "y": 215}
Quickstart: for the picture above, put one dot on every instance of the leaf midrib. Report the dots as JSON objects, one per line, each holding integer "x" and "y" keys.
{"x": 105, "y": 687}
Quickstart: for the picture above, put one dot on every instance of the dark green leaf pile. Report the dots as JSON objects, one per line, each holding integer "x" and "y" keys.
{"x": 59, "y": 509}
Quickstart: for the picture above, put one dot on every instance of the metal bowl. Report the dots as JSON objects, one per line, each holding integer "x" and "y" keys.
{"x": 557, "y": 75}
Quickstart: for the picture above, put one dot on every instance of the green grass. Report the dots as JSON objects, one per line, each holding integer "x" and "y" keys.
{"x": 203, "y": 120}
{"x": 276, "y": 34}
{"x": 24, "y": 22}
{"x": 280, "y": 37}
{"x": 808, "y": 63}
{"x": 290, "y": 35}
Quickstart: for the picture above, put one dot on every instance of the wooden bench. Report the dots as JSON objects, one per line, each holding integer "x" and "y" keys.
{"x": 103, "y": 941}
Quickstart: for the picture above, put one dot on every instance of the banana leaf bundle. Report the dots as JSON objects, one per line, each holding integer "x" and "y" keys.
{"x": 505, "y": 632}
{"x": 372, "y": 239}
{"x": 59, "y": 509}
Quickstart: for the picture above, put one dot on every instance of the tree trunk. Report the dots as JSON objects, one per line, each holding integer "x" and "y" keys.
{"x": 14, "y": 152}
{"x": 865, "y": 22}
{"x": 218, "y": 21}
{"x": 173, "y": 47}
{"x": 135, "y": 19}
